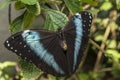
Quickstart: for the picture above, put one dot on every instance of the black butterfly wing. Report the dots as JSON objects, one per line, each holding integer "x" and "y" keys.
{"x": 43, "y": 49}
{"x": 77, "y": 34}
{"x": 40, "y": 47}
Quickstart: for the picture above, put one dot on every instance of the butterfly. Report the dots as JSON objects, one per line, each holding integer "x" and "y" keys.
{"x": 55, "y": 52}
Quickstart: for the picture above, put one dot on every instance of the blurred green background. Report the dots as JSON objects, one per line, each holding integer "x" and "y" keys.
{"x": 101, "y": 60}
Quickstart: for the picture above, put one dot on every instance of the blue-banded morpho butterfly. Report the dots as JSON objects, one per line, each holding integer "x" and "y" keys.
{"x": 54, "y": 52}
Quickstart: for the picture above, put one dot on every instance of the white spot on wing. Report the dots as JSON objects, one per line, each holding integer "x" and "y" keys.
{"x": 12, "y": 37}
{"x": 28, "y": 50}
{"x": 11, "y": 48}
{"x": 90, "y": 21}
{"x": 89, "y": 14}
{"x": 7, "y": 41}
{"x": 24, "y": 46}
{"x": 8, "y": 45}
{"x": 15, "y": 50}
{"x": 20, "y": 43}
{"x": 25, "y": 58}
{"x": 90, "y": 17}
{"x": 20, "y": 54}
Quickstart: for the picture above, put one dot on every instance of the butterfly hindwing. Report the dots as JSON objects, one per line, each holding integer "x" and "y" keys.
{"x": 77, "y": 35}
{"x": 86, "y": 21}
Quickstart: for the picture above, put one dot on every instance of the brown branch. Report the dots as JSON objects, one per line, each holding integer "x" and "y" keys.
{"x": 99, "y": 55}
{"x": 106, "y": 69}
{"x": 9, "y": 13}
{"x": 96, "y": 45}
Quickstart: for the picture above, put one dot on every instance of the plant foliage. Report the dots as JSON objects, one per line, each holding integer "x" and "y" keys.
{"x": 104, "y": 45}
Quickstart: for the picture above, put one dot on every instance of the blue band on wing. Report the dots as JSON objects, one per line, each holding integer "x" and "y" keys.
{"x": 32, "y": 39}
{"x": 78, "y": 25}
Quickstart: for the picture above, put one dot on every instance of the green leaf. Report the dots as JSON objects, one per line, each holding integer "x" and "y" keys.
{"x": 116, "y": 72}
{"x": 73, "y": 5}
{"x": 29, "y": 2}
{"x": 34, "y": 9}
{"x": 93, "y": 75}
{"x": 114, "y": 25}
{"x": 111, "y": 44}
{"x": 114, "y": 54}
{"x": 22, "y": 22}
{"x": 51, "y": 1}
{"x": 99, "y": 37}
{"x": 16, "y": 24}
{"x": 93, "y": 12}
{"x": 84, "y": 76}
{"x": 55, "y": 19}
{"x": 118, "y": 4}
{"x": 106, "y": 6}
{"x": 19, "y": 5}
{"x": 28, "y": 19}
{"x": 51, "y": 77}
{"x": 29, "y": 70}
{"x": 91, "y": 2}
{"x": 7, "y": 64}
{"x": 5, "y": 3}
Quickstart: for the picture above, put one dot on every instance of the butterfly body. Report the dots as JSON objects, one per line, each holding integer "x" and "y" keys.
{"x": 57, "y": 53}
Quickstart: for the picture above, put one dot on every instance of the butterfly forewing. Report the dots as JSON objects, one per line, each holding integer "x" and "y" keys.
{"x": 43, "y": 50}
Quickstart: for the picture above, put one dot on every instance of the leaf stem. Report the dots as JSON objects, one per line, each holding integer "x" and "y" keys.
{"x": 9, "y": 13}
